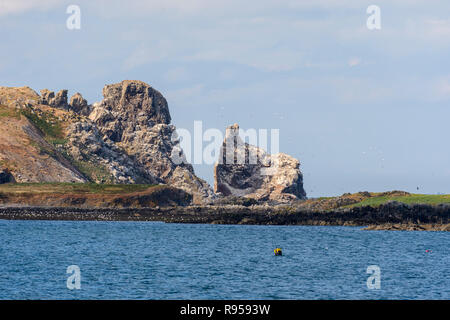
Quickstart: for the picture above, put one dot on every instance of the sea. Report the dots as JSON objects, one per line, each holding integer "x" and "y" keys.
{"x": 152, "y": 260}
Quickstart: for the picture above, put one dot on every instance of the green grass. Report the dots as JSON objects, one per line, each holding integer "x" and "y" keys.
{"x": 92, "y": 188}
{"x": 324, "y": 198}
{"x": 53, "y": 133}
{"x": 94, "y": 172}
{"x": 47, "y": 123}
{"x": 57, "y": 141}
{"x": 431, "y": 199}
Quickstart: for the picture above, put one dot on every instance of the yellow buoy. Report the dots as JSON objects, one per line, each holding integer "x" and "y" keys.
{"x": 278, "y": 252}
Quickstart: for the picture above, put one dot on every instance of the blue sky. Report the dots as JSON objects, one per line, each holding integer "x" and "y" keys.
{"x": 361, "y": 109}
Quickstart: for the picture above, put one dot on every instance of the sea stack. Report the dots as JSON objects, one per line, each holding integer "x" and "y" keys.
{"x": 244, "y": 170}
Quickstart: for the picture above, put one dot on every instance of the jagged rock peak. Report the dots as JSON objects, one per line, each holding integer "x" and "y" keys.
{"x": 79, "y": 105}
{"x": 246, "y": 170}
{"x": 128, "y": 107}
{"x": 136, "y": 118}
{"x": 232, "y": 129}
{"x": 138, "y": 95}
{"x": 58, "y": 100}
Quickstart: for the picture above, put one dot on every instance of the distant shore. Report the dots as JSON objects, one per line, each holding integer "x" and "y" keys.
{"x": 391, "y": 216}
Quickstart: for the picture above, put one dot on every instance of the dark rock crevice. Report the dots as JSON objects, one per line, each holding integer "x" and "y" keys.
{"x": 6, "y": 176}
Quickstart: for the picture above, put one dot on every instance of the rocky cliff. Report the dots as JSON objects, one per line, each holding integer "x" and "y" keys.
{"x": 126, "y": 138}
{"x": 245, "y": 170}
{"x": 136, "y": 118}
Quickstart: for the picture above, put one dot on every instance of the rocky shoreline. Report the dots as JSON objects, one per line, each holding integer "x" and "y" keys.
{"x": 409, "y": 227}
{"x": 392, "y": 216}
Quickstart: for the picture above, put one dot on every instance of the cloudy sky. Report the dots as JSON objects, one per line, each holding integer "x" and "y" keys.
{"x": 361, "y": 109}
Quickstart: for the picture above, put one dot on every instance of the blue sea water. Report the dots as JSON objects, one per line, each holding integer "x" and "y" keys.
{"x": 147, "y": 260}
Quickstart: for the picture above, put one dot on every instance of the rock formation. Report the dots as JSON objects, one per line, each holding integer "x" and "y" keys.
{"x": 79, "y": 105}
{"x": 136, "y": 118}
{"x": 56, "y": 101}
{"x": 246, "y": 170}
{"x": 85, "y": 145}
{"x": 126, "y": 138}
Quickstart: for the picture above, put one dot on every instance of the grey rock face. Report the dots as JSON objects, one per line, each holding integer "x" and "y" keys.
{"x": 46, "y": 96}
{"x": 136, "y": 118}
{"x": 60, "y": 100}
{"x": 79, "y": 105}
{"x": 246, "y": 170}
{"x": 56, "y": 101}
{"x": 86, "y": 144}
{"x": 129, "y": 106}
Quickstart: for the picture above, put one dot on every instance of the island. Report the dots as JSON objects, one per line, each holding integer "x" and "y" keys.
{"x": 64, "y": 159}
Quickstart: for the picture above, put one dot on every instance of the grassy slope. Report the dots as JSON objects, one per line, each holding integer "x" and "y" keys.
{"x": 74, "y": 188}
{"x": 6, "y": 112}
{"x": 52, "y": 130}
{"x": 32, "y": 139}
{"x": 408, "y": 199}
{"x": 91, "y": 195}
{"x": 47, "y": 123}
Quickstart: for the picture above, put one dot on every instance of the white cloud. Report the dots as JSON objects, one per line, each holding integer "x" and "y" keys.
{"x": 19, "y": 6}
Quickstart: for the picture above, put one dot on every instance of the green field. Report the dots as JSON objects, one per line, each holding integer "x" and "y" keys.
{"x": 431, "y": 199}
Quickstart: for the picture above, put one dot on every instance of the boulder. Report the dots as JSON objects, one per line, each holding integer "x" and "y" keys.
{"x": 245, "y": 170}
